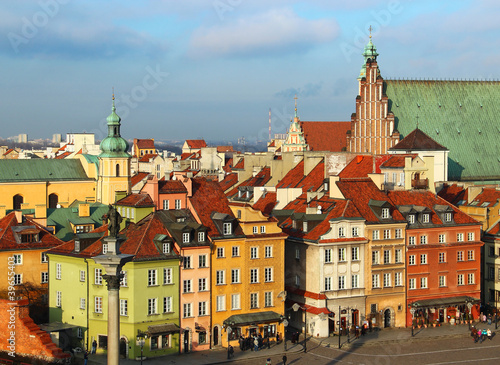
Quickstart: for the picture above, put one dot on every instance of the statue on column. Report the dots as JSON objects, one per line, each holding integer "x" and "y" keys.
{"x": 113, "y": 219}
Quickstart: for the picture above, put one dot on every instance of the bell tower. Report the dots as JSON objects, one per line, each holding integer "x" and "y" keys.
{"x": 372, "y": 125}
{"x": 114, "y": 161}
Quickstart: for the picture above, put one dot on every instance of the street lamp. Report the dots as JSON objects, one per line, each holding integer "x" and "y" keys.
{"x": 285, "y": 324}
{"x": 295, "y": 308}
{"x": 469, "y": 306}
{"x": 141, "y": 340}
{"x": 412, "y": 311}
{"x": 339, "y": 323}
{"x": 228, "y": 328}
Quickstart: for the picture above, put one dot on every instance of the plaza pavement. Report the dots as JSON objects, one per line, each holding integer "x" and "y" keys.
{"x": 276, "y": 351}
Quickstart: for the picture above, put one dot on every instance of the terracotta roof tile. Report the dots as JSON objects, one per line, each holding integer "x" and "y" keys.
{"x": 225, "y": 149}
{"x": 266, "y": 203}
{"x": 326, "y": 136}
{"x": 147, "y": 157}
{"x": 360, "y": 192}
{"x": 429, "y": 200}
{"x": 196, "y": 143}
{"x": 137, "y": 200}
{"x": 228, "y": 166}
{"x": 62, "y": 155}
{"x": 487, "y": 198}
{"x": 260, "y": 179}
{"x": 8, "y": 241}
{"x": 240, "y": 164}
{"x": 417, "y": 140}
{"x": 134, "y": 180}
{"x": 295, "y": 177}
{"x": 362, "y": 165}
{"x": 397, "y": 161}
{"x": 171, "y": 187}
{"x": 229, "y": 181}
{"x": 453, "y": 193}
{"x": 145, "y": 143}
{"x": 208, "y": 197}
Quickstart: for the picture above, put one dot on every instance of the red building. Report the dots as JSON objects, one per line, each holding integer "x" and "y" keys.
{"x": 443, "y": 258}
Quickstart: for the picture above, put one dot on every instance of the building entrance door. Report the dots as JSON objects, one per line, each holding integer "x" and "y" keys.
{"x": 387, "y": 318}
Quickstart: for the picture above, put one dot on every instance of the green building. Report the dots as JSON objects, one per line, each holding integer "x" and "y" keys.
{"x": 149, "y": 293}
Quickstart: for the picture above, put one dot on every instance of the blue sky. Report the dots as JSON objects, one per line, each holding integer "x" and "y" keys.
{"x": 212, "y": 69}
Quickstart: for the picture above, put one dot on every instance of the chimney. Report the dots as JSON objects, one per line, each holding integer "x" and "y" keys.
{"x": 84, "y": 210}
{"x": 40, "y": 211}
{"x": 3, "y": 210}
{"x": 335, "y": 192}
{"x": 19, "y": 216}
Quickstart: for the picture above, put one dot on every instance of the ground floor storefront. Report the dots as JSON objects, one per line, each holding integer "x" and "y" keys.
{"x": 436, "y": 311}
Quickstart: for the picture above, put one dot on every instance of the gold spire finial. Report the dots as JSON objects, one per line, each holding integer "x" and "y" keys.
{"x": 113, "y": 88}
{"x": 370, "y": 30}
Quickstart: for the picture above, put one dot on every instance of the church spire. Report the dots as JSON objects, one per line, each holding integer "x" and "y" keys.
{"x": 296, "y": 106}
{"x": 370, "y": 54}
{"x": 113, "y": 145}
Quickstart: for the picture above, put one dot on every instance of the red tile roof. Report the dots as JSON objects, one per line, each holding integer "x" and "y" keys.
{"x": 209, "y": 198}
{"x": 8, "y": 237}
{"x": 418, "y": 141}
{"x": 240, "y": 164}
{"x": 225, "y": 149}
{"x": 453, "y": 193}
{"x": 171, "y": 187}
{"x": 228, "y": 167}
{"x": 196, "y": 143}
{"x": 266, "y": 203}
{"x": 62, "y": 155}
{"x": 138, "y": 178}
{"x": 362, "y": 165}
{"x": 360, "y": 192}
{"x": 326, "y": 136}
{"x": 397, "y": 161}
{"x": 137, "y": 200}
{"x": 139, "y": 241}
{"x": 295, "y": 177}
{"x": 145, "y": 143}
{"x": 229, "y": 181}
{"x": 147, "y": 157}
{"x": 259, "y": 179}
{"x": 429, "y": 200}
{"x": 8, "y": 151}
{"x": 487, "y": 198}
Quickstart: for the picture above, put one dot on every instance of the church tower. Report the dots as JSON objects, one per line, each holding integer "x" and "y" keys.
{"x": 114, "y": 162}
{"x": 372, "y": 125}
{"x": 295, "y": 140}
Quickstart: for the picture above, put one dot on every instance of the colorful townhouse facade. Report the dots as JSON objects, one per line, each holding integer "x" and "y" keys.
{"x": 149, "y": 290}
{"x": 443, "y": 256}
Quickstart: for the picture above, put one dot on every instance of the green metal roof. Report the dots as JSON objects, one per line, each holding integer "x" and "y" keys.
{"x": 41, "y": 170}
{"x": 61, "y": 218}
{"x": 92, "y": 159}
{"x": 463, "y": 116}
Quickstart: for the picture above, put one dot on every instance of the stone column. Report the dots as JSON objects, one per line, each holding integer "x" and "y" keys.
{"x": 113, "y": 263}
{"x": 113, "y": 282}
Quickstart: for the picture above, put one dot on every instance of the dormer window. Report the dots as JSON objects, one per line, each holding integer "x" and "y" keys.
{"x": 447, "y": 217}
{"x": 29, "y": 237}
{"x": 227, "y": 229}
{"x": 411, "y": 218}
{"x": 185, "y": 237}
{"x": 304, "y": 226}
{"x": 341, "y": 232}
{"x": 385, "y": 213}
{"x": 425, "y": 218}
{"x": 166, "y": 247}
{"x": 201, "y": 236}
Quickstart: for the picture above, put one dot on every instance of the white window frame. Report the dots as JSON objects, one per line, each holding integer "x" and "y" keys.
{"x": 423, "y": 283}
{"x": 178, "y": 204}
{"x": 235, "y": 301}
{"x": 83, "y": 303}
{"x": 220, "y": 303}
{"x": 220, "y": 277}
{"x": 375, "y": 281}
{"x": 268, "y": 252}
{"x": 83, "y": 275}
{"x": 165, "y": 204}
{"x": 341, "y": 282}
{"x": 328, "y": 283}
{"x": 98, "y": 304}
{"x": 355, "y": 281}
{"x": 58, "y": 299}
{"x": 152, "y": 277}
{"x": 412, "y": 283}
{"x": 442, "y": 281}
{"x": 268, "y": 275}
{"x": 375, "y": 234}
{"x": 268, "y": 299}
{"x": 254, "y": 276}
{"x": 45, "y": 277}
{"x": 58, "y": 271}
{"x": 342, "y": 254}
{"x": 167, "y": 275}
{"x": 387, "y": 280}
{"x": 202, "y": 284}
{"x": 167, "y": 304}
{"x": 97, "y": 276}
{"x": 152, "y": 306}
{"x": 227, "y": 229}
{"x": 123, "y": 307}
{"x": 355, "y": 254}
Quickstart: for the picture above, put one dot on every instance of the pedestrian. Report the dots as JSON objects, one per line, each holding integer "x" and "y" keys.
{"x": 230, "y": 352}
{"x": 489, "y": 319}
{"x": 94, "y": 347}
{"x": 268, "y": 361}
{"x": 284, "y": 358}
{"x": 488, "y": 333}
{"x": 242, "y": 343}
{"x": 85, "y": 357}
{"x": 256, "y": 344}
{"x": 260, "y": 341}
{"x": 278, "y": 338}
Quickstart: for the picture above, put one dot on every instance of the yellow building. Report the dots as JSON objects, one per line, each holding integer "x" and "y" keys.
{"x": 247, "y": 266}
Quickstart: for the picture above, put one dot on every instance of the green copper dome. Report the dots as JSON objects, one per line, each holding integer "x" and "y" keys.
{"x": 370, "y": 52}
{"x": 114, "y": 145}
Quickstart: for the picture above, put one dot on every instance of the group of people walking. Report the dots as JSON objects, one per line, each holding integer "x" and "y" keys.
{"x": 254, "y": 343}
{"x": 480, "y": 334}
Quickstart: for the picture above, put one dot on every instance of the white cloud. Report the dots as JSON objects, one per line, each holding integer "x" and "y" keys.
{"x": 276, "y": 31}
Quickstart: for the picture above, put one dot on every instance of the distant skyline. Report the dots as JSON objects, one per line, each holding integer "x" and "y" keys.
{"x": 212, "y": 69}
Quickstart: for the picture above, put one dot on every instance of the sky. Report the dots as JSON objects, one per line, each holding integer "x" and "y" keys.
{"x": 213, "y": 69}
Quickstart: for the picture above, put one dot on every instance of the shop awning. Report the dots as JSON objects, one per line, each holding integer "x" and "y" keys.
{"x": 444, "y": 302}
{"x": 253, "y": 318}
{"x": 57, "y": 326}
{"x": 159, "y": 329}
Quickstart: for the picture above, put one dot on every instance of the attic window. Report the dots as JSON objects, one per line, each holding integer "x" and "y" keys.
{"x": 475, "y": 202}
{"x": 385, "y": 213}
{"x": 485, "y": 204}
{"x": 29, "y": 237}
{"x": 201, "y": 236}
{"x": 425, "y": 218}
{"x": 185, "y": 237}
{"x": 304, "y": 226}
{"x": 227, "y": 229}
{"x": 166, "y": 247}
{"x": 447, "y": 217}
{"x": 411, "y": 218}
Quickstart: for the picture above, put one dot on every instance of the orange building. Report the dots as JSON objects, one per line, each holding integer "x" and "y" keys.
{"x": 443, "y": 258}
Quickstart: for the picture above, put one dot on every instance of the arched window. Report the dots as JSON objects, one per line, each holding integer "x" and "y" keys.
{"x": 53, "y": 200}
{"x": 17, "y": 201}
{"x": 117, "y": 169}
